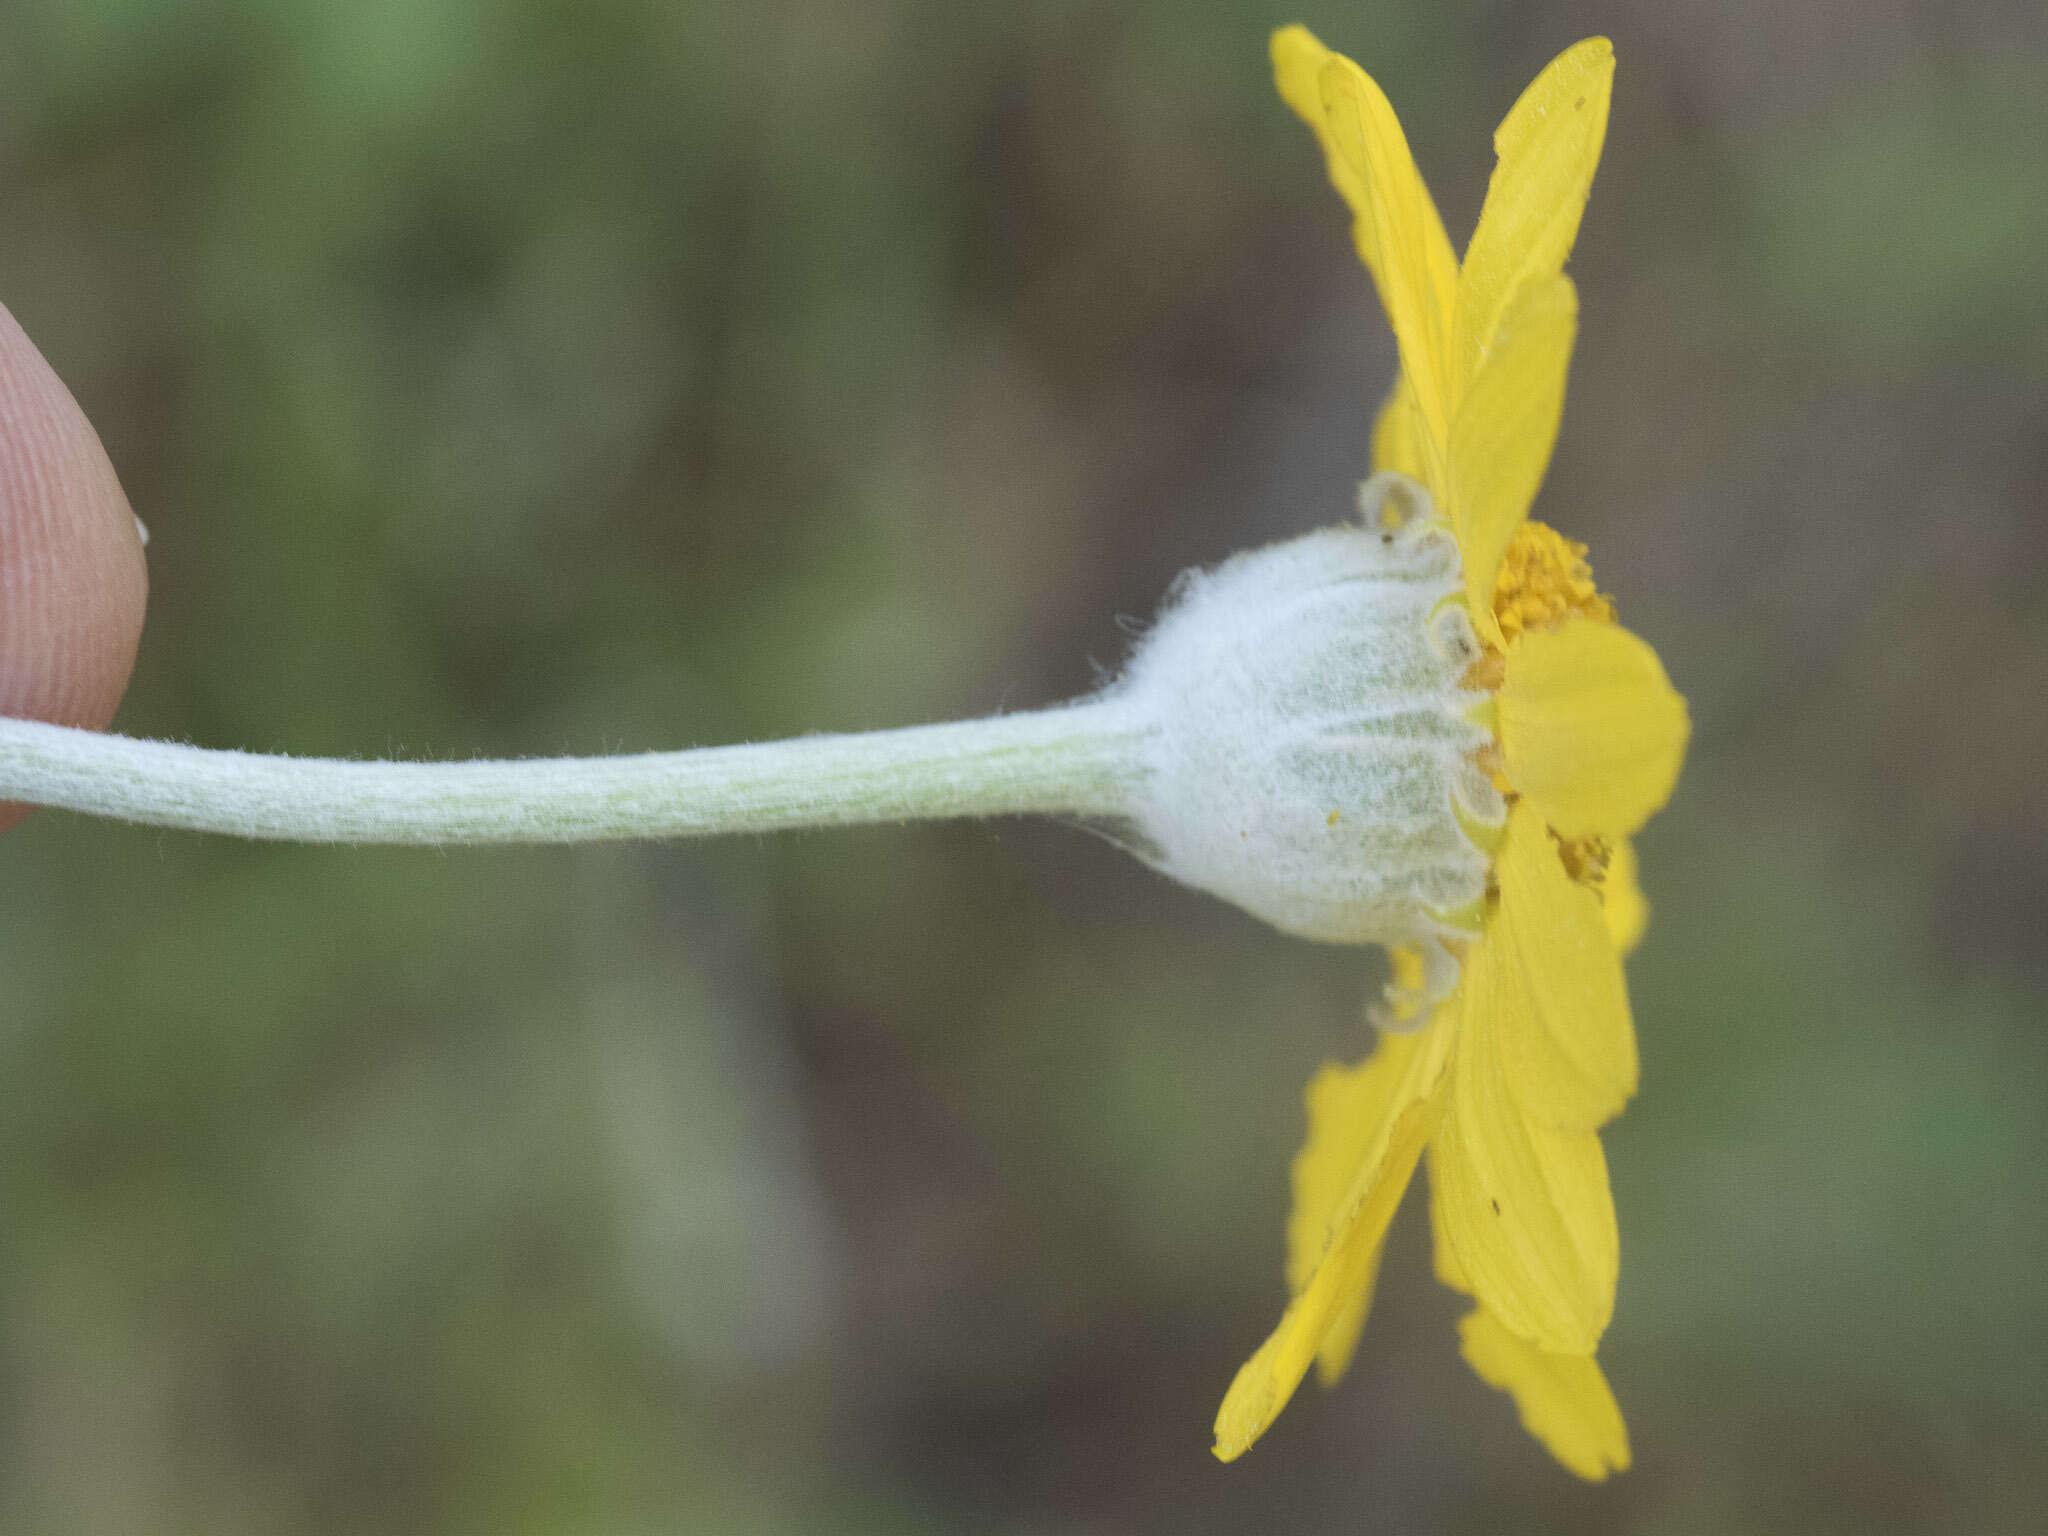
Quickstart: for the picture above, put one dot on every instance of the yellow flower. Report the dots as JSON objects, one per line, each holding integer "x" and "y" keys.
{"x": 1507, "y": 1081}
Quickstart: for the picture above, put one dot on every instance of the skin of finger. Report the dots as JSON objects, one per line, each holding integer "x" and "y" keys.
{"x": 72, "y": 579}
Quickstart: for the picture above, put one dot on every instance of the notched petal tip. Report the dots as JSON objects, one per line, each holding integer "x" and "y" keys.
{"x": 1568, "y": 101}
{"x": 1563, "y": 1400}
{"x": 1298, "y": 59}
{"x": 1548, "y": 147}
{"x": 1249, "y": 1406}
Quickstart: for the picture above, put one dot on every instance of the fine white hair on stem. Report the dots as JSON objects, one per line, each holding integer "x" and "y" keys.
{"x": 1292, "y": 734}
{"x": 1080, "y": 760}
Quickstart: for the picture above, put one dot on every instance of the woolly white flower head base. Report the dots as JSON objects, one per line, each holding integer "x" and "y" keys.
{"x": 1310, "y": 748}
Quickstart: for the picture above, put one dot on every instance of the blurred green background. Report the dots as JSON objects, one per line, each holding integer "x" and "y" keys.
{"x": 515, "y": 378}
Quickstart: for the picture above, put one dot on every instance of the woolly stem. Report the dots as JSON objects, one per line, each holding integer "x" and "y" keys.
{"x": 1077, "y": 760}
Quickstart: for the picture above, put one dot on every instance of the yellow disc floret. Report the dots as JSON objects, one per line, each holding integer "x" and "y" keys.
{"x": 1544, "y": 580}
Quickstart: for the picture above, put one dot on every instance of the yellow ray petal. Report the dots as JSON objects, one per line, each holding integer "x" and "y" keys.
{"x": 1548, "y": 146}
{"x": 1525, "y": 1206}
{"x": 1444, "y": 1261}
{"x": 1350, "y": 1114}
{"x": 1621, "y": 898}
{"x": 1340, "y": 1339}
{"x": 1397, "y": 438}
{"x": 1504, "y": 430}
{"x": 1329, "y": 1299}
{"x": 1298, "y": 60}
{"x": 1591, "y": 731}
{"x": 1568, "y": 1044}
{"x": 1398, "y": 231}
{"x": 1564, "y": 1400}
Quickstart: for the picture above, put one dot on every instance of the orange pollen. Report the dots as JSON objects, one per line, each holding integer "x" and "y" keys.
{"x": 1487, "y": 673}
{"x": 1585, "y": 859}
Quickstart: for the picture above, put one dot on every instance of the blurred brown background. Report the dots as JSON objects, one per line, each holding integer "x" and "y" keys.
{"x": 500, "y": 377}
